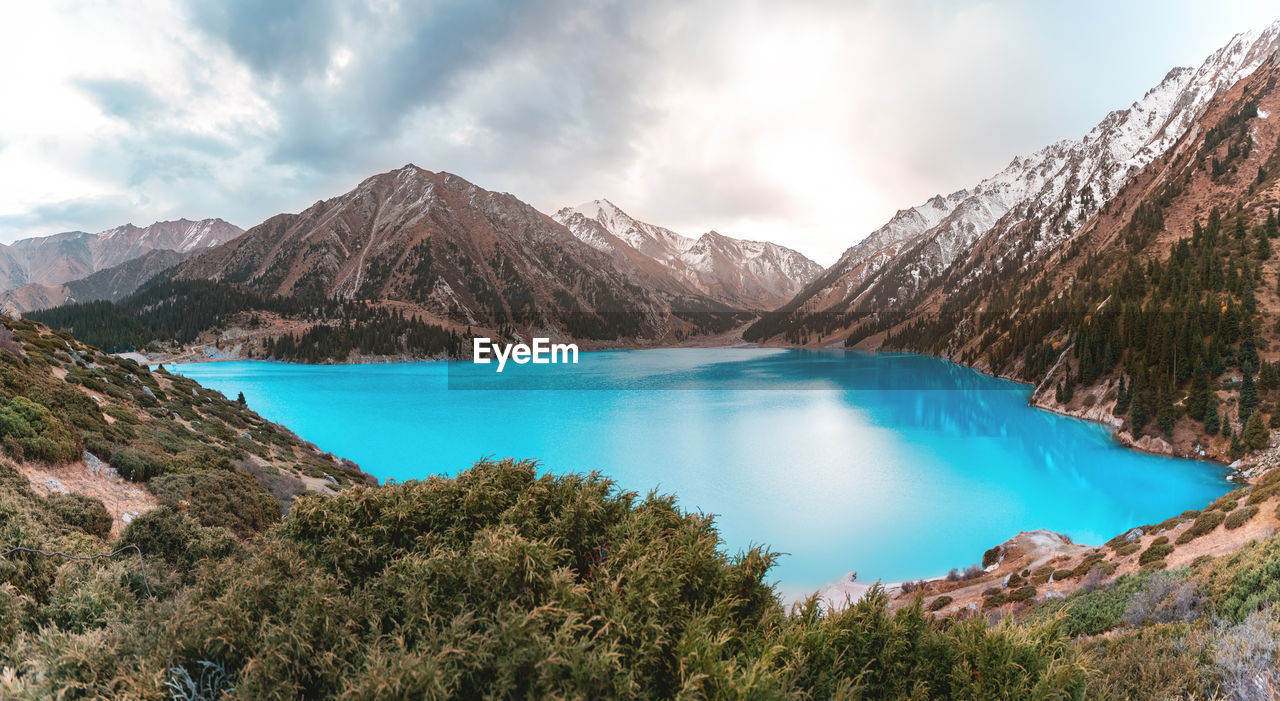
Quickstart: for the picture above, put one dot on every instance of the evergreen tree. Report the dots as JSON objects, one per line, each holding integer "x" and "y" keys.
{"x": 1248, "y": 396}
{"x": 1212, "y": 425}
{"x": 1198, "y": 397}
{"x": 1255, "y": 435}
{"x": 1122, "y": 399}
{"x": 240, "y": 399}
{"x": 1166, "y": 413}
{"x": 1237, "y": 448}
{"x": 1138, "y": 418}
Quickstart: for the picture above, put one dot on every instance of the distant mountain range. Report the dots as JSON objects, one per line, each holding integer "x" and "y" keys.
{"x": 750, "y": 275}
{"x": 460, "y": 253}
{"x": 1035, "y": 205}
{"x": 439, "y": 249}
{"x": 1004, "y": 275}
{"x": 1129, "y": 275}
{"x": 42, "y": 271}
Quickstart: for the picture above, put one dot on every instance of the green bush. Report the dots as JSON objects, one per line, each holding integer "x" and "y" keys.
{"x": 1128, "y": 548}
{"x": 86, "y": 513}
{"x": 1156, "y": 552}
{"x": 1239, "y": 517}
{"x": 498, "y": 583}
{"x": 139, "y": 465}
{"x": 1246, "y": 580}
{"x": 178, "y": 540}
{"x": 1203, "y": 524}
{"x": 940, "y": 603}
{"x": 1164, "y": 660}
{"x": 1041, "y": 574}
{"x": 219, "y": 498}
{"x": 30, "y": 430}
{"x": 1091, "y": 612}
{"x": 1059, "y": 575}
{"x": 1022, "y": 594}
{"x": 86, "y": 595}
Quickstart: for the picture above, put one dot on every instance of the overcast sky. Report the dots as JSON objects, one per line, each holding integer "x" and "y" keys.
{"x": 805, "y": 123}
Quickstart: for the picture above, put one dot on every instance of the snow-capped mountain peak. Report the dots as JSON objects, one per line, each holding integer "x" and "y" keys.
{"x": 1056, "y": 188}
{"x": 747, "y": 274}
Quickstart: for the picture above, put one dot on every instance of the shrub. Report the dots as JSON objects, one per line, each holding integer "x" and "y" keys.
{"x": 30, "y": 430}
{"x": 940, "y": 603}
{"x": 1022, "y": 594}
{"x": 1203, "y": 524}
{"x": 86, "y": 513}
{"x": 1128, "y": 548}
{"x": 1246, "y": 580}
{"x": 1165, "y": 597}
{"x": 996, "y": 599}
{"x": 86, "y": 596}
{"x": 1041, "y": 574}
{"x": 549, "y": 574}
{"x": 498, "y": 583}
{"x": 139, "y": 465}
{"x": 1088, "y": 564}
{"x": 1239, "y": 517}
{"x": 219, "y": 498}
{"x": 1244, "y": 655}
{"x": 1156, "y": 552}
{"x": 1261, "y": 493}
{"x": 178, "y": 540}
{"x": 1166, "y": 661}
{"x": 1091, "y": 612}
{"x": 1059, "y": 575}
{"x": 992, "y": 556}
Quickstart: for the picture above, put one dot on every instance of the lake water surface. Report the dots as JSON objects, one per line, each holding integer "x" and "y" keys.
{"x": 894, "y": 466}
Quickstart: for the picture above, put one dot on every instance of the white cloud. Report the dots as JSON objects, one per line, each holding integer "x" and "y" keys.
{"x": 806, "y": 123}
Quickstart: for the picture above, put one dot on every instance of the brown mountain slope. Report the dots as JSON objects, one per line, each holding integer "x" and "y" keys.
{"x": 450, "y": 249}
{"x": 60, "y": 258}
{"x": 754, "y": 275}
{"x": 1174, "y": 277}
{"x": 114, "y": 283}
{"x": 1037, "y": 204}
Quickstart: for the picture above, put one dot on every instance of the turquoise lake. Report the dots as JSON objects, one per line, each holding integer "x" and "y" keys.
{"x": 894, "y": 466}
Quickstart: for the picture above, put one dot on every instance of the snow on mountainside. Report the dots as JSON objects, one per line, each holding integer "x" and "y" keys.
{"x": 438, "y": 245}
{"x": 117, "y": 245}
{"x": 1046, "y": 195}
{"x": 60, "y": 258}
{"x": 747, "y": 274}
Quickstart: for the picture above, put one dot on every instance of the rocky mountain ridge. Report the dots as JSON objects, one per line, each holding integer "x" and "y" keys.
{"x": 1034, "y": 205}
{"x": 755, "y": 275}
{"x": 45, "y": 264}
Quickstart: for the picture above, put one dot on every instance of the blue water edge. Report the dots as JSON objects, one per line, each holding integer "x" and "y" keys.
{"x": 891, "y": 465}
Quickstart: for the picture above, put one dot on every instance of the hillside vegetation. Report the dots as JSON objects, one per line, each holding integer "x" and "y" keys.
{"x": 261, "y": 568}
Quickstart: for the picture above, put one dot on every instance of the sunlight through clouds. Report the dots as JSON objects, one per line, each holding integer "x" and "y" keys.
{"x": 805, "y": 123}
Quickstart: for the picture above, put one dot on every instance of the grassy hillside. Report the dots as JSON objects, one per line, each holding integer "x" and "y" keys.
{"x": 503, "y": 583}
{"x": 497, "y": 583}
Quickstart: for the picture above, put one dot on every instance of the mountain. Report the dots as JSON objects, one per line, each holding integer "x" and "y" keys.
{"x": 59, "y": 258}
{"x": 114, "y": 283}
{"x": 1036, "y": 204}
{"x": 1150, "y": 304}
{"x": 451, "y": 250}
{"x": 745, "y": 274}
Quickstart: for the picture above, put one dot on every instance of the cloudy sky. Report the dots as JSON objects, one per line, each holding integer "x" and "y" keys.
{"x": 806, "y": 123}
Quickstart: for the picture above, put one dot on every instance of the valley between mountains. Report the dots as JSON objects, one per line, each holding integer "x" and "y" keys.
{"x": 1127, "y": 275}
{"x": 163, "y": 537}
